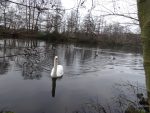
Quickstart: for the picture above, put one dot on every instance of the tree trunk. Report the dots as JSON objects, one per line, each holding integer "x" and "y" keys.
{"x": 36, "y": 23}
{"x": 5, "y": 15}
{"x": 4, "y": 19}
{"x": 33, "y": 15}
{"x": 29, "y": 15}
{"x": 144, "y": 18}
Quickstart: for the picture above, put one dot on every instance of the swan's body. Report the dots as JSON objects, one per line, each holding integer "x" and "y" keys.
{"x": 58, "y": 73}
{"x": 57, "y": 70}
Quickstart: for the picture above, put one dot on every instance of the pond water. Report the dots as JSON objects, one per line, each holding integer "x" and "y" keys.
{"x": 92, "y": 76}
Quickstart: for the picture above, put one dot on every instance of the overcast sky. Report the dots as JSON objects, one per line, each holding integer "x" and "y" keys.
{"x": 103, "y": 7}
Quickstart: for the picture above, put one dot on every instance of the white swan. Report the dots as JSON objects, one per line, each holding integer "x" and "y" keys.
{"x": 57, "y": 70}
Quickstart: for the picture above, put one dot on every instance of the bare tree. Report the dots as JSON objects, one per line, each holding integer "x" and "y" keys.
{"x": 71, "y": 22}
{"x": 88, "y": 24}
{"x": 4, "y": 5}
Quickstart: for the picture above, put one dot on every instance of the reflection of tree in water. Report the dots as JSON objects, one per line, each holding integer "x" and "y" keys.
{"x": 69, "y": 55}
{"x": 3, "y": 67}
{"x": 85, "y": 55}
{"x": 32, "y": 62}
{"x": 4, "y": 63}
{"x": 130, "y": 98}
{"x": 32, "y": 65}
{"x": 31, "y": 71}
{"x": 28, "y": 56}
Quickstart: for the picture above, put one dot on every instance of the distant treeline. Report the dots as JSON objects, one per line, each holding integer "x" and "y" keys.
{"x": 111, "y": 38}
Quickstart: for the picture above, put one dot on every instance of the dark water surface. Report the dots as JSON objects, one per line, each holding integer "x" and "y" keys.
{"x": 91, "y": 75}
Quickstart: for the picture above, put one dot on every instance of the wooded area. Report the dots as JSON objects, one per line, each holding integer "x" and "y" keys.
{"x": 48, "y": 18}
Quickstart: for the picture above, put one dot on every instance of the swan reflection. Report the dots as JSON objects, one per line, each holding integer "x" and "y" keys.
{"x": 53, "y": 86}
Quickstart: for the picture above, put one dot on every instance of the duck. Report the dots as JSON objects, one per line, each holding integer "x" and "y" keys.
{"x": 57, "y": 70}
{"x": 96, "y": 53}
{"x": 112, "y": 57}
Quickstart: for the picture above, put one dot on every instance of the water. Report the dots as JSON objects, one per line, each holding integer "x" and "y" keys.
{"x": 91, "y": 75}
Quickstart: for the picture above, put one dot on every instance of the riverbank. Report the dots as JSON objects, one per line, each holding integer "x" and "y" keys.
{"x": 110, "y": 40}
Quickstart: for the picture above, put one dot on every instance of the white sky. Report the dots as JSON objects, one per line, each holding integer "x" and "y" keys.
{"x": 106, "y": 6}
{"x": 68, "y": 3}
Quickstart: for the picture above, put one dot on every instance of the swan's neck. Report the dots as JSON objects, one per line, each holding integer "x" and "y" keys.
{"x": 55, "y": 67}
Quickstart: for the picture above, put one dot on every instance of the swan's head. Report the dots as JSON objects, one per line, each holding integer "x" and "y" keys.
{"x": 56, "y": 59}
